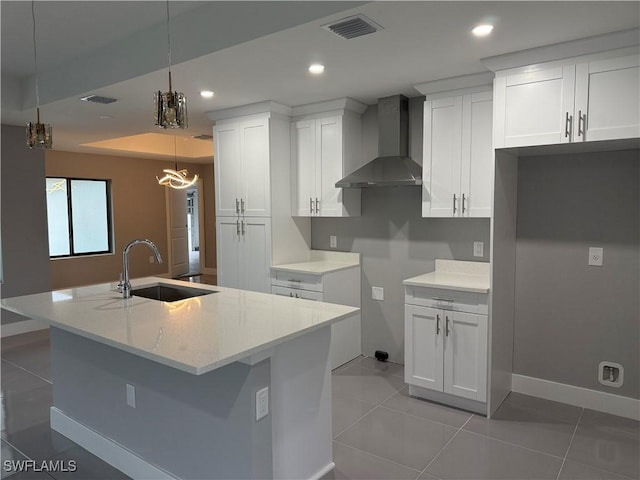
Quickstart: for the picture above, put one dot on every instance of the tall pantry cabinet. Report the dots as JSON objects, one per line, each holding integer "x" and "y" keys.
{"x": 254, "y": 228}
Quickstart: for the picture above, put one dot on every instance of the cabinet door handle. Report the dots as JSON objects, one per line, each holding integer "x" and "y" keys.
{"x": 237, "y": 227}
{"x": 317, "y": 206}
{"x": 442, "y": 299}
{"x": 297, "y": 296}
{"x": 582, "y": 120}
{"x": 291, "y": 294}
{"x": 454, "y": 203}
{"x": 463, "y": 199}
{"x": 242, "y": 223}
{"x": 437, "y": 324}
{"x": 242, "y": 206}
{"x": 237, "y": 206}
{"x": 568, "y": 120}
{"x": 311, "y": 205}
{"x": 297, "y": 280}
{"x": 447, "y": 326}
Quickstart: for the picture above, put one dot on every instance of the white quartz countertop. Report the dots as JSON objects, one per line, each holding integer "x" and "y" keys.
{"x": 322, "y": 262}
{"x": 455, "y": 275}
{"x": 195, "y": 335}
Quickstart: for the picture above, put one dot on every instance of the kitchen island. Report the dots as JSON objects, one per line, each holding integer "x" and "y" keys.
{"x": 180, "y": 389}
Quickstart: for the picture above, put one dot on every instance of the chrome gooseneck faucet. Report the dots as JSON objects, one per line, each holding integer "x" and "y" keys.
{"x": 125, "y": 286}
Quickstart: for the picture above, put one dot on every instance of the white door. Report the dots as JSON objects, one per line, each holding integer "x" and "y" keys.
{"x": 608, "y": 99}
{"x": 178, "y": 231}
{"x": 255, "y": 181}
{"x": 304, "y": 160}
{"x": 329, "y": 158}
{"x": 227, "y": 167}
{"x": 535, "y": 108}
{"x": 228, "y": 252}
{"x": 477, "y": 155}
{"x": 423, "y": 343}
{"x": 442, "y": 157}
{"x": 465, "y": 355}
{"x": 255, "y": 237}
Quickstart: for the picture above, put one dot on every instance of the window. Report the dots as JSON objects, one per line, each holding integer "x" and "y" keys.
{"x": 78, "y": 216}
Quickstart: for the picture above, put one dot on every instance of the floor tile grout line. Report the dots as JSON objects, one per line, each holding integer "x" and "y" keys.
{"x": 514, "y": 444}
{"x": 425, "y": 418}
{"x": 379, "y": 457}
{"x": 445, "y": 445}
{"x": 564, "y": 460}
{"x": 28, "y": 371}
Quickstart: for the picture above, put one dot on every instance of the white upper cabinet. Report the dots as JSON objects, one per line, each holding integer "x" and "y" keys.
{"x": 326, "y": 146}
{"x": 242, "y": 167}
{"x": 607, "y": 100}
{"x": 457, "y": 156}
{"x": 574, "y": 100}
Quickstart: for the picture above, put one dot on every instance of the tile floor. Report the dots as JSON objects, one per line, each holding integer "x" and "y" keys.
{"x": 379, "y": 431}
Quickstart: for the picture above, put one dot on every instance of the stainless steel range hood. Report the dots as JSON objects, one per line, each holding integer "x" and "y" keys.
{"x": 393, "y": 167}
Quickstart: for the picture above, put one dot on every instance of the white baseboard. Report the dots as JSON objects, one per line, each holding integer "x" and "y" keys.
{"x": 323, "y": 473}
{"x": 210, "y": 271}
{"x": 578, "y": 396}
{"x": 106, "y": 449}
{"x": 25, "y": 326}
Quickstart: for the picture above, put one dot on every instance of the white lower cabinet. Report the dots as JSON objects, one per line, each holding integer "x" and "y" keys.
{"x": 446, "y": 343}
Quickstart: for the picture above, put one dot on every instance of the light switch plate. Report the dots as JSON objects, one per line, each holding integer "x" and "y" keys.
{"x": 377, "y": 293}
{"x": 478, "y": 249}
{"x": 262, "y": 403}
{"x": 333, "y": 241}
{"x": 131, "y": 395}
{"x": 596, "y": 256}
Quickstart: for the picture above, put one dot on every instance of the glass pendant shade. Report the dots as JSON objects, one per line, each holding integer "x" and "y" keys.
{"x": 170, "y": 109}
{"x": 39, "y": 135}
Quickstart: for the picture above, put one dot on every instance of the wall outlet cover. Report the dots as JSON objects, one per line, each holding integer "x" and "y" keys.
{"x": 478, "y": 249}
{"x": 333, "y": 241}
{"x": 131, "y": 395}
{"x": 596, "y": 256}
{"x": 377, "y": 293}
{"x": 262, "y": 403}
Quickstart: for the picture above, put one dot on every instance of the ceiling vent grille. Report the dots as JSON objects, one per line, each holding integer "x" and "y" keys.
{"x": 98, "y": 99}
{"x": 203, "y": 136}
{"x": 352, "y": 27}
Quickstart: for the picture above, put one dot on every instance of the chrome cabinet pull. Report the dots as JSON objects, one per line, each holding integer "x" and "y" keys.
{"x": 463, "y": 199}
{"x": 437, "y": 324}
{"x": 442, "y": 299}
{"x": 242, "y": 222}
{"x": 242, "y": 206}
{"x": 582, "y": 120}
{"x": 568, "y": 120}
{"x": 237, "y": 206}
{"x": 447, "y": 328}
{"x": 311, "y": 205}
{"x": 454, "y": 203}
{"x": 237, "y": 227}
{"x": 295, "y": 280}
{"x": 291, "y": 294}
{"x": 317, "y": 206}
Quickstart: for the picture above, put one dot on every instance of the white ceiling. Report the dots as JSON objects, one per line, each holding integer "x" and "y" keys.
{"x": 253, "y": 51}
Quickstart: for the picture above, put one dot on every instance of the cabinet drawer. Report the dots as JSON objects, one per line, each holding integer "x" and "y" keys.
{"x": 296, "y": 293}
{"x": 447, "y": 299}
{"x": 304, "y": 281}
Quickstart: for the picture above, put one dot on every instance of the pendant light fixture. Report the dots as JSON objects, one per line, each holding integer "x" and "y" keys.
{"x": 38, "y": 135}
{"x": 170, "y": 108}
{"x": 175, "y": 178}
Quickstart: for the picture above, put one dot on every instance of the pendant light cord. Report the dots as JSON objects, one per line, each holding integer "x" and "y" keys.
{"x": 35, "y": 55}
{"x": 169, "y": 42}
{"x": 175, "y": 153}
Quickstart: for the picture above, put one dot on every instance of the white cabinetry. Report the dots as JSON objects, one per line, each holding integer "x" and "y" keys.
{"x": 253, "y": 208}
{"x": 446, "y": 345}
{"x": 458, "y": 155}
{"x": 574, "y": 100}
{"x": 326, "y": 146}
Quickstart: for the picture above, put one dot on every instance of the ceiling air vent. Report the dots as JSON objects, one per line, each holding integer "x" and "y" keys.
{"x": 203, "y": 136}
{"x": 352, "y": 27}
{"x": 98, "y": 99}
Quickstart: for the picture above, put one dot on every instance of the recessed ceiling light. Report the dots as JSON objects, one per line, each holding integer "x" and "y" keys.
{"x": 105, "y": 117}
{"x": 316, "y": 68}
{"x": 206, "y": 94}
{"x": 482, "y": 30}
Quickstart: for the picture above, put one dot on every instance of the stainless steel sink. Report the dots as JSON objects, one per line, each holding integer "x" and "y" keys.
{"x": 166, "y": 292}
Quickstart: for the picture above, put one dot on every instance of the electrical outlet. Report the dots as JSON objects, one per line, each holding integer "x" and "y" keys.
{"x": 151, "y": 259}
{"x": 596, "y": 256}
{"x": 478, "y": 249}
{"x": 333, "y": 241}
{"x": 377, "y": 293}
{"x": 262, "y": 403}
{"x": 131, "y": 396}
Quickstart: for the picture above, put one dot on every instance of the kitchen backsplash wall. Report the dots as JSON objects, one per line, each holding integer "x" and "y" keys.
{"x": 395, "y": 242}
{"x": 569, "y": 316}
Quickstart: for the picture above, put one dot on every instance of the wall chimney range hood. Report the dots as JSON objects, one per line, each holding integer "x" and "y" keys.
{"x": 393, "y": 167}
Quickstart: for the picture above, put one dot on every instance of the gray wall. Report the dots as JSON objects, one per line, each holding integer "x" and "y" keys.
{"x": 396, "y": 243}
{"x": 568, "y": 316}
{"x": 25, "y": 245}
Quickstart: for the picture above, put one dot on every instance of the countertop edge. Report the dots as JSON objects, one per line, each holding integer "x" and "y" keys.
{"x": 408, "y": 283}
{"x": 309, "y": 272}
